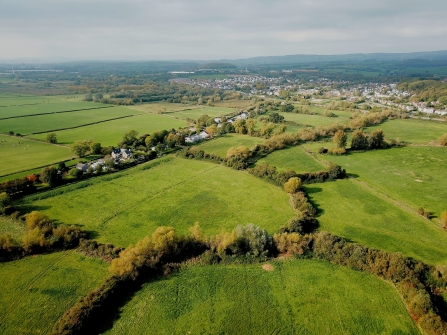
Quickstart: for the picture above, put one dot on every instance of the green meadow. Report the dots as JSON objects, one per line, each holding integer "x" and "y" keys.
{"x": 15, "y": 228}
{"x": 162, "y": 107}
{"x": 36, "y": 106}
{"x": 411, "y": 130}
{"x": 295, "y": 297}
{"x": 348, "y": 209}
{"x": 111, "y": 132}
{"x": 413, "y": 175}
{"x": 42, "y": 123}
{"x": 293, "y": 158}
{"x": 17, "y": 154}
{"x": 196, "y": 113}
{"x": 314, "y": 120}
{"x": 220, "y": 145}
{"x": 124, "y": 207}
{"x": 37, "y": 290}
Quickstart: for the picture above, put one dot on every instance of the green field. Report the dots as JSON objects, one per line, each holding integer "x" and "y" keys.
{"x": 195, "y": 113}
{"x": 314, "y": 120}
{"x": 297, "y": 297}
{"x": 15, "y": 228}
{"x": 124, "y": 207}
{"x": 220, "y": 145}
{"x": 294, "y": 158}
{"x": 412, "y": 131}
{"x": 18, "y": 154}
{"x": 162, "y": 107}
{"x": 41, "y": 123}
{"x": 37, "y": 290}
{"x": 111, "y": 132}
{"x": 350, "y": 210}
{"x": 36, "y": 106}
{"x": 413, "y": 175}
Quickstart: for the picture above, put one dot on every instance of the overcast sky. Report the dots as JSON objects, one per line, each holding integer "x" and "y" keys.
{"x": 209, "y": 29}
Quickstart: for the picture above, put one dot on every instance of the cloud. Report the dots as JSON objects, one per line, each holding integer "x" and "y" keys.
{"x": 199, "y": 29}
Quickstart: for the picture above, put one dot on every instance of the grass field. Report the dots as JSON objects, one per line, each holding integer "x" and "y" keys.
{"x": 220, "y": 145}
{"x": 314, "y": 120}
{"x": 239, "y": 104}
{"x": 37, "y": 290}
{"x": 18, "y": 154}
{"x": 36, "y": 106}
{"x": 41, "y": 123}
{"x": 195, "y": 113}
{"x": 162, "y": 107}
{"x": 412, "y": 131}
{"x": 15, "y": 228}
{"x": 294, "y": 158}
{"x": 123, "y": 208}
{"x": 111, "y": 132}
{"x": 413, "y": 175}
{"x": 297, "y": 297}
{"x": 349, "y": 210}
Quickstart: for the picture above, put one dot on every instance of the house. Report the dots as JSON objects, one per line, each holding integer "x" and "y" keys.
{"x": 204, "y": 135}
{"x": 121, "y": 154}
{"x": 218, "y": 120}
{"x": 82, "y": 167}
{"x": 99, "y": 162}
{"x": 197, "y": 137}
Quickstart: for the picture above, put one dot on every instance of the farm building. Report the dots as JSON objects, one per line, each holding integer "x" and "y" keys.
{"x": 121, "y": 154}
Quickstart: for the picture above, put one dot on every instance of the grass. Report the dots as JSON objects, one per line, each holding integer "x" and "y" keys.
{"x": 220, "y": 145}
{"x": 15, "y": 228}
{"x": 19, "y": 154}
{"x": 297, "y": 297}
{"x": 37, "y": 290}
{"x": 349, "y": 210}
{"x": 196, "y": 113}
{"x": 162, "y": 107}
{"x": 314, "y": 120}
{"x": 24, "y": 106}
{"x": 239, "y": 104}
{"x": 111, "y": 132}
{"x": 41, "y": 123}
{"x": 294, "y": 158}
{"x": 411, "y": 130}
{"x": 123, "y": 208}
{"x": 413, "y": 175}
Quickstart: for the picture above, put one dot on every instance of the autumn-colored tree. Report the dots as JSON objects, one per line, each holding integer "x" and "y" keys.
{"x": 250, "y": 125}
{"x": 292, "y": 185}
{"x": 340, "y": 138}
{"x": 36, "y": 219}
{"x": 376, "y": 139}
{"x": 359, "y": 140}
{"x": 211, "y": 130}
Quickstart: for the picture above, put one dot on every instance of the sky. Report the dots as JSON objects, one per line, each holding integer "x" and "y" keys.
{"x": 211, "y": 30}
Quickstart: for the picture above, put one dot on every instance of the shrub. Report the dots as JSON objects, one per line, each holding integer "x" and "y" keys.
{"x": 293, "y": 185}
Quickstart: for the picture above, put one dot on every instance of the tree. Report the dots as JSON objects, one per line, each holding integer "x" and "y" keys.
{"x": 359, "y": 140}
{"x": 129, "y": 138}
{"x": 36, "y": 219}
{"x": 51, "y": 138}
{"x": 376, "y": 140}
{"x": 50, "y": 176}
{"x": 211, "y": 130}
{"x": 275, "y": 118}
{"x": 80, "y": 148}
{"x": 340, "y": 138}
{"x": 95, "y": 148}
{"x": 286, "y": 108}
{"x": 75, "y": 173}
{"x": 267, "y": 129}
{"x": 282, "y": 129}
{"x": 61, "y": 166}
{"x": 240, "y": 127}
{"x": 4, "y": 202}
{"x": 292, "y": 185}
{"x": 250, "y": 125}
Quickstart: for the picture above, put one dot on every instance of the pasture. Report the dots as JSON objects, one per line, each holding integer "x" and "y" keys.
{"x": 37, "y": 290}
{"x": 348, "y": 209}
{"x": 413, "y": 175}
{"x": 111, "y": 132}
{"x": 40, "y": 105}
{"x": 196, "y": 113}
{"x": 15, "y": 228}
{"x": 19, "y": 154}
{"x": 162, "y": 107}
{"x": 220, "y": 145}
{"x": 411, "y": 130}
{"x": 293, "y": 158}
{"x": 49, "y": 122}
{"x": 314, "y": 120}
{"x": 296, "y": 297}
{"x": 124, "y": 207}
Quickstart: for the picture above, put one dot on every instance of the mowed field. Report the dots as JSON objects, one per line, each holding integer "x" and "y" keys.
{"x": 348, "y": 209}
{"x": 18, "y": 153}
{"x": 37, "y": 290}
{"x": 124, "y": 207}
{"x": 413, "y": 175}
{"x": 297, "y": 297}
{"x": 411, "y": 130}
{"x": 111, "y": 132}
{"x": 316, "y": 119}
{"x": 294, "y": 158}
{"x": 196, "y": 113}
{"x": 220, "y": 145}
{"x": 49, "y": 122}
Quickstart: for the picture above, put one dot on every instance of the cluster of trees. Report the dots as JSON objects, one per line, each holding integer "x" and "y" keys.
{"x": 42, "y": 235}
{"x": 51, "y": 138}
{"x": 289, "y": 108}
{"x": 426, "y": 90}
{"x": 25, "y": 185}
{"x": 84, "y": 147}
{"x": 365, "y": 120}
{"x": 160, "y": 139}
{"x": 363, "y": 141}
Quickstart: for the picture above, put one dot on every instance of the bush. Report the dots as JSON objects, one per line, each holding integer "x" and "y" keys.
{"x": 293, "y": 185}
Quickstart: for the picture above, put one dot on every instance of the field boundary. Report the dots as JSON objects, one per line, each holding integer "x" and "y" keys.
{"x": 59, "y": 112}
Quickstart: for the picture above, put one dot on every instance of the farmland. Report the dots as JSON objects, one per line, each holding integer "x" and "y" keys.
{"x": 220, "y": 145}
{"x": 123, "y": 208}
{"x": 294, "y": 158}
{"x": 297, "y": 297}
{"x": 111, "y": 132}
{"x": 22, "y": 154}
{"x": 314, "y": 120}
{"x": 195, "y": 113}
{"x": 37, "y": 290}
{"x": 49, "y": 122}
{"x": 350, "y": 210}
